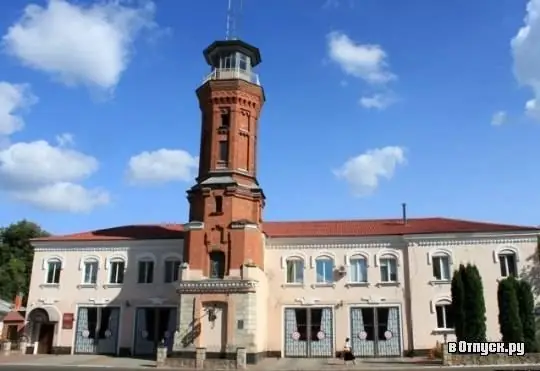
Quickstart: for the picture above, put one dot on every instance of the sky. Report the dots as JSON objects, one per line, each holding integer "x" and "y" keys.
{"x": 370, "y": 103}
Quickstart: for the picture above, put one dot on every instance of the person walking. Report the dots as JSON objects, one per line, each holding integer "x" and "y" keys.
{"x": 348, "y": 355}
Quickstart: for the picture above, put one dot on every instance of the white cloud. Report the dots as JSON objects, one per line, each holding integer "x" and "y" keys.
{"x": 13, "y": 99}
{"x": 79, "y": 45}
{"x": 364, "y": 172}
{"x": 65, "y": 139}
{"x": 365, "y": 61}
{"x": 161, "y": 166}
{"x": 47, "y": 176}
{"x": 377, "y": 101}
{"x": 526, "y": 54}
{"x": 499, "y": 118}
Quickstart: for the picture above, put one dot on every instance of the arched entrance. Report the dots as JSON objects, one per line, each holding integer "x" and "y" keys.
{"x": 42, "y": 323}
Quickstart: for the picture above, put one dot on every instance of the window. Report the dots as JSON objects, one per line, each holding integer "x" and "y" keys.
{"x": 217, "y": 264}
{"x": 295, "y": 270}
{"x": 507, "y": 261}
{"x": 243, "y": 62}
{"x": 444, "y": 316}
{"x": 146, "y": 271}
{"x": 225, "y": 119}
{"x": 219, "y": 204}
{"x": 172, "y": 270}
{"x": 324, "y": 267}
{"x": 90, "y": 272}
{"x": 388, "y": 269}
{"x": 358, "y": 270}
{"x": 224, "y": 151}
{"x": 54, "y": 267}
{"x": 118, "y": 268}
{"x": 441, "y": 267}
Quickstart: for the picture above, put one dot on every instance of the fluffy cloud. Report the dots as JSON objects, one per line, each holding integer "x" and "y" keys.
{"x": 526, "y": 56}
{"x": 77, "y": 44}
{"x": 364, "y": 172}
{"x": 47, "y": 176}
{"x": 499, "y": 118}
{"x": 377, "y": 101}
{"x": 365, "y": 61}
{"x": 161, "y": 166}
{"x": 13, "y": 98}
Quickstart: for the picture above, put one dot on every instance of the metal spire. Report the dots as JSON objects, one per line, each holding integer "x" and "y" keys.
{"x": 234, "y": 11}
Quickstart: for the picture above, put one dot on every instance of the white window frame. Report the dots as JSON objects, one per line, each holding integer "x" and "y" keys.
{"x": 291, "y": 259}
{"x": 444, "y": 303}
{"x": 442, "y": 259}
{"x": 358, "y": 257}
{"x": 383, "y": 261}
{"x": 503, "y": 256}
{"x": 327, "y": 280}
{"x": 48, "y": 262}
{"x": 110, "y": 262}
{"x": 89, "y": 260}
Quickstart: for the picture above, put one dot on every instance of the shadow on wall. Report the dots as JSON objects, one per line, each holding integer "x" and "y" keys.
{"x": 143, "y": 310}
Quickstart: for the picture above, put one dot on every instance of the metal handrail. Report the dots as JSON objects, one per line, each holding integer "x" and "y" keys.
{"x": 232, "y": 73}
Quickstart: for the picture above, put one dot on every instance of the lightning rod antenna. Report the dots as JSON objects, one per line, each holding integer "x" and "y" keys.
{"x": 233, "y": 14}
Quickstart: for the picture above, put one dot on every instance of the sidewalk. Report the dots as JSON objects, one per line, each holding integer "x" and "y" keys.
{"x": 75, "y": 360}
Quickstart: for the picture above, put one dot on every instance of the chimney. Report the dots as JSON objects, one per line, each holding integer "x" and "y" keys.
{"x": 404, "y": 213}
{"x": 17, "y": 304}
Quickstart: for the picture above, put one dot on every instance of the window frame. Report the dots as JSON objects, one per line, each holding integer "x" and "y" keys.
{"x": 326, "y": 280}
{"x": 440, "y": 259}
{"x": 111, "y": 262}
{"x": 222, "y": 271}
{"x": 48, "y": 264}
{"x": 503, "y": 261}
{"x": 352, "y": 260}
{"x": 148, "y": 277}
{"x": 445, "y": 306}
{"x": 89, "y": 260}
{"x": 172, "y": 260}
{"x": 383, "y": 262}
{"x": 295, "y": 261}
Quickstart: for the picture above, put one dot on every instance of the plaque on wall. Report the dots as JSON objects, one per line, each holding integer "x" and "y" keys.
{"x": 67, "y": 321}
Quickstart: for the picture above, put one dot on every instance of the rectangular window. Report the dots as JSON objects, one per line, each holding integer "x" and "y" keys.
{"x": 444, "y": 316}
{"x": 358, "y": 270}
{"x": 441, "y": 268}
{"x": 295, "y": 271}
{"x": 146, "y": 272}
{"x": 172, "y": 270}
{"x": 217, "y": 264}
{"x": 325, "y": 270}
{"x": 225, "y": 120}
{"x": 388, "y": 270}
{"x": 53, "y": 272}
{"x": 219, "y": 204}
{"x": 90, "y": 272}
{"x": 117, "y": 272}
{"x": 224, "y": 151}
{"x": 508, "y": 265}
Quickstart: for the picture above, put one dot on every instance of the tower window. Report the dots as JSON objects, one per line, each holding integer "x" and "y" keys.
{"x": 219, "y": 204}
{"x": 224, "y": 151}
{"x": 225, "y": 119}
{"x": 217, "y": 264}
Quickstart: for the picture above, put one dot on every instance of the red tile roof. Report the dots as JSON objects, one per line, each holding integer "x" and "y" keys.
{"x": 14, "y": 316}
{"x": 330, "y": 228}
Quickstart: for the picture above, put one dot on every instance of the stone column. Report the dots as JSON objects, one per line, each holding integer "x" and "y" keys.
{"x": 200, "y": 356}
{"x": 7, "y": 347}
{"x": 241, "y": 358}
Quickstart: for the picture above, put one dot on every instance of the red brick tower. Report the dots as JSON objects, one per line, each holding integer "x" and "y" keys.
{"x": 226, "y": 203}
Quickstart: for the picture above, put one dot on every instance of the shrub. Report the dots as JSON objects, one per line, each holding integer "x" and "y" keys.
{"x": 474, "y": 306}
{"x": 458, "y": 302}
{"x": 509, "y": 319}
{"x": 525, "y": 301}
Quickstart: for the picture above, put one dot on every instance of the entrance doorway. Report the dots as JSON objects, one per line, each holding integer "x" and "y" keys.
{"x": 97, "y": 330}
{"x": 45, "y": 338}
{"x": 154, "y": 325}
{"x": 376, "y": 331}
{"x": 309, "y": 332}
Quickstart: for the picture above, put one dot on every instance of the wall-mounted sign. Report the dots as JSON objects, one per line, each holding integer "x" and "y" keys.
{"x": 67, "y": 321}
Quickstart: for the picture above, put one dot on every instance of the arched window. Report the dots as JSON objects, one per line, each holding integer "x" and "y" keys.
{"x": 324, "y": 268}
{"x": 54, "y": 268}
{"x": 117, "y": 268}
{"x": 295, "y": 270}
{"x": 358, "y": 269}
{"x": 508, "y": 263}
{"x": 443, "y": 310}
{"x": 388, "y": 268}
{"x": 442, "y": 265}
{"x": 90, "y": 271}
{"x": 217, "y": 264}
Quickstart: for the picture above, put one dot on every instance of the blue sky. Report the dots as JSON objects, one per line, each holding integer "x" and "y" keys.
{"x": 370, "y": 103}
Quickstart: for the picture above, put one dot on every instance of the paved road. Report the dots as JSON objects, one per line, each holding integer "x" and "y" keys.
{"x": 337, "y": 368}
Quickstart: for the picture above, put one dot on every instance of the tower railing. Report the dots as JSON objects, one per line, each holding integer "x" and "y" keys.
{"x": 232, "y": 73}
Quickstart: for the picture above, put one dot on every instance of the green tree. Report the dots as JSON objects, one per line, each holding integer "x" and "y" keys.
{"x": 16, "y": 255}
{"x": 475, "y": 307}
{"x": 525, "y": 301}
{"x": 458, "y": 302}
{"x": 509, "y": 320}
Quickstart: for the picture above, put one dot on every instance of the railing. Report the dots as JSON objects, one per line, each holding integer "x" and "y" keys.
{"x": 232, "y": 73}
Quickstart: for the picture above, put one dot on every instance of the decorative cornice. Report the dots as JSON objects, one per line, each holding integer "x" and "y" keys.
{"x": 91, "y": 249}
{"x": 211, "y": 286}
{"x": 471, "y": 241}
{"x": 374, "y": 245}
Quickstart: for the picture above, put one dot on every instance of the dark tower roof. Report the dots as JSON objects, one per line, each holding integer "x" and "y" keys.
{"x": 222, "y": 46}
